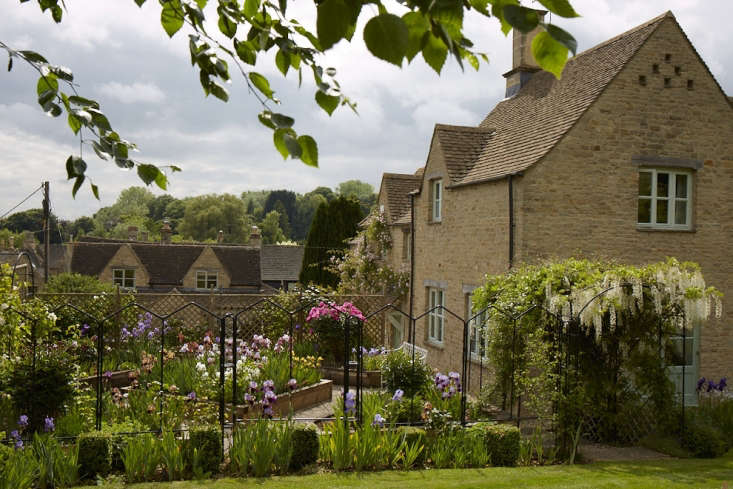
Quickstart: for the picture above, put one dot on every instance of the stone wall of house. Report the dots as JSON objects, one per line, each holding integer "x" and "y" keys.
{"x": 207, "y": 261}
{"x": 581, "y": 200}
{"x": 455, "y": 254}
{"x": 126, "y": 258}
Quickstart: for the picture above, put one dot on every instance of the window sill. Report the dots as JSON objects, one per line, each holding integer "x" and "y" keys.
{"x": 431, "y": 222}
{"x": 440, "y": 345}
{"x": 650, "y": 229}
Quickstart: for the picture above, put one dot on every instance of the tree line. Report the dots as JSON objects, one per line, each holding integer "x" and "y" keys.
{"x": 281, "y": 215}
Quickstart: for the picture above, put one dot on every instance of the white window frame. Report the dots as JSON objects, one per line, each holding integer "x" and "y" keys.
{"x": 207, "y": 276}
{"x": 477, "y": 346}
{"x": 437, "y": 200}
{"x": 671, "y": 200}
{"x": 124, "y": 277}
{"x": 436, "y": 318}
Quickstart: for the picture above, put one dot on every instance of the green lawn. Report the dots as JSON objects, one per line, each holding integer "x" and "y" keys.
{"x": 672, "y": 473}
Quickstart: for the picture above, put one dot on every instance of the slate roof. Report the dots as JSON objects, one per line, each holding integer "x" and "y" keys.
{"x": 398, "y": 187}
{"x": 281, "y": 262}
{"x": 242, "y": 264}
{"x": 166, "y": 264}
{"x": 90, "y": 257}
{"x": 522, "y": 129}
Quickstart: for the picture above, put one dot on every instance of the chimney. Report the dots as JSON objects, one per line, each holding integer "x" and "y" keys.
{"x": 165, "y": 233}
{"x": 523, "y": 63}
{"x": 220, "y": 237}
{"x": 11, "y": 242}
{"x": 132, "y": 233}
{"x": 254, "y": 238}
{"x": 143, "y": 236}
{"x": 29, "y": 242}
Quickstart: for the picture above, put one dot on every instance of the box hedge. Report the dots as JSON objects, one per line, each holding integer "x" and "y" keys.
{"x": 95, "y": 454}
{"x": 502, "y": 442}
{"x": 207, "y": 440}
{"x": 305, "y": 446}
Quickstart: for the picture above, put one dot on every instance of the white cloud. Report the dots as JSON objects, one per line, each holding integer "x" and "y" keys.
{"x": 133, "y": 93}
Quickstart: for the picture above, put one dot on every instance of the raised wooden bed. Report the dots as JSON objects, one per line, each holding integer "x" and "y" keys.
{"x": 119, "y": 378}
{"x": 302, "y": 398}
{"x": 369, "y": 378}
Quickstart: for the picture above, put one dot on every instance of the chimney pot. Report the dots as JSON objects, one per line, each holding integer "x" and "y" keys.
{"x": 523, "y": 63}
{"x": 255, "y": 239}
{"x": 220, "y": 237}
{"x": 144, "y": 236}
{"x": 165, "y": 233}
{"x": 132, "y": 233}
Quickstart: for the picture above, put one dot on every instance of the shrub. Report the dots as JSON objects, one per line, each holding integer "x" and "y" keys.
{"x": 703, "y": 440}
{"x": 414, "y": 436}
{"x": 502, "y": 442}
{"x": 305, "y": 446}
{"x": 95, "y": 455}
{"x": 207, "y": 442}
{"x": 398, "y": 372}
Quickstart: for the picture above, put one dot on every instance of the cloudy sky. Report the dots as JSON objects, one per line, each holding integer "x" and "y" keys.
{"x": 144, "y": 81}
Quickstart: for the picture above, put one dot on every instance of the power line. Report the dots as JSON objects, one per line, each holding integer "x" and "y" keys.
{"x": 21, "y": 202}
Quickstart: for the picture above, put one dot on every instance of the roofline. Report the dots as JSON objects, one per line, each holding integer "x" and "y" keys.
{"x": 487, "y": 180}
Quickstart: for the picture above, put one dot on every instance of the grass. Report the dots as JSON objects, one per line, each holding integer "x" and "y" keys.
{"x": 672, "y": 473}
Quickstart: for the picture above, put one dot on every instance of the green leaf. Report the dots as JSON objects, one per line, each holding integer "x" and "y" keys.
{"x": 245, "y": 52}
{"x": 99, "y": 119}
{"x": 62, "y": 72}
{"x": 84, "y": 116}
{"x": 522, "y": 18}
{"x": 549, "y": 54}
{"x": 75, "y": 167}
{"x": 292, "y": 144}
{"x": 278, "y": 138}
{"x": 201, "y": 3}
{"x": 251, "y": 7}
{"x": 261, "y": 83}
{"x": 101, "y": 151}
{"x": 264, "y": 118}
{"x": 77, "y": 185}
{"x": 171, "y": 17}
{"x": 417, "y": 26}
{"x": 33, "y": 56}
{"x": 560, "y": 7}
{"x": 74, "y": 123}
{"x": 53, "y": 110}
{"x": 282, "y": 121}
{"x": 481, "y": 6}
{"x": 563, "y": 37}
{"x": 386, "y": 36}
{"x": 282, "y": 61}
{"x": 327, "y": 102}
{"x": 473, "y": 61}
{"x": 83, "y": 102}
{"x": 226, "y": 25}
{"x": 95, "y": 189}
{"x": 147, "y": 173}
{"x": 174, "y": 168}
{"x": 46, "y": 97}
{"x": 309, "y": 150}
{"x": 497, "y": 10}
{"x": 47, "y": 82}
{"x": 139, "y": 2}
{"x": 435, "y": 53}
{"x": 161, "y": 180}
{"x": 333, "y": 22}
{"x": 219, "y": 92}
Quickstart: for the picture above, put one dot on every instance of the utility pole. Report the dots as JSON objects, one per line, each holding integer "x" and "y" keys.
{"x": 46, "y": 230}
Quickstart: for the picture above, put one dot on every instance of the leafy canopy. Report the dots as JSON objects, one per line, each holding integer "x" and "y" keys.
{"x": 255, "y": 28}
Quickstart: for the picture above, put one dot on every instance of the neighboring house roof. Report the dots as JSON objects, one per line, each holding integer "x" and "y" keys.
{"x": 166, "y": 264}
{"x": 90, "y": 258}
{"x": 242, "y": 264}
{"x": 522, "y": 129}
{"x": 281, "y": 262}
{"x": 397, "y": 187}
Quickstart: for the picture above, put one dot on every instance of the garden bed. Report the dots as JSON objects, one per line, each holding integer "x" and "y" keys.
{"x": 369, "y": 378}
{"x": 302, "y": 398}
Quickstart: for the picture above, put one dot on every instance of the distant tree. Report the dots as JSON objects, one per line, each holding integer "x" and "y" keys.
{"x": 287, "y": 197}
{"x": 206, "y": 215}
{"x": 326, "y": 192}
{"x": 158, "y": 206}
{"x": 284, "y": 220}
{"x": 80, "y": 226}
{"x": 133, "y": 202}
{"x": 306, "y": 207}
{"x": 361, "y": 191}
{"x": 32, "y": 221}
{"x": 334, "y": 223}
{"x": 270, "y": 228}
{"x": 255, "y": 202}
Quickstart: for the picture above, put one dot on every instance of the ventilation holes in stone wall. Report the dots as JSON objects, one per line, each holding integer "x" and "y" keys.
{"x": 642, "y": 80}
{"x": 655, "y": 68}
{"x": 667, "y": 82}
{"x": 690, "y": 84}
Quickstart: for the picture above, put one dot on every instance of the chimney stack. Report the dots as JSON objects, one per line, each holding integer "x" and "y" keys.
{"x": 523, "y": 63}
{"x": 220, "y": 237}
{"x": 11, "y": 242}
{"x": 165, "y": 233}
{"x": 143, "y": 236}
{"x": 255, "y": 238}
{"x": 132, "y": 233}
{"x": 29, "y": 241}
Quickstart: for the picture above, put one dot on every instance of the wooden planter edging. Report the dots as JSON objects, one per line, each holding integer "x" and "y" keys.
{"x": 302, "y": 398}
{"x": 119, "y": 378}
{"x": 369, "y": 378}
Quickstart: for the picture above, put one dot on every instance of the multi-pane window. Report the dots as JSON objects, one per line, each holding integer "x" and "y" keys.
{"x": 477, "y": 329}
{"x": 437, "y": 191}
{"x": 124, "y": 277}
{"x": 207, "y": 280}
{"x": 436, "y": 316}
{"x": 665, "y": 199}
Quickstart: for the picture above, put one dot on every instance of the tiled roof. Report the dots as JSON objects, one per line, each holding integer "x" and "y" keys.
{"x": 242, "y": 263}
{"x": 398, "y": 187}
{"x": 522, "y": 129}
{"x": 281, "y": 262}
{"x": 90, "y": 257}
{"x": 167, "y": 264}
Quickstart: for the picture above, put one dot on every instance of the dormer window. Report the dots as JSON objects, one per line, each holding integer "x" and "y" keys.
{"x": 437, "y": 200}
{"x": 207, "y": 280}
{"x": 124, "y": 277}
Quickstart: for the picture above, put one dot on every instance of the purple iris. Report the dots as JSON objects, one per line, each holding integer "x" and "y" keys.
{"x": 398, "y": 395}
{"x": 292, "y": 384}
{"x": 350, "y": 402}
{"x": 191, "y": 396}
{"x": 711, "y": 385}
{"x": 48, "y": 425}
{"x": 378, "y": 421}
{"x": 700, "y": 383}
{"x": 722, "y": 384}
{"x": 23, "y": 421}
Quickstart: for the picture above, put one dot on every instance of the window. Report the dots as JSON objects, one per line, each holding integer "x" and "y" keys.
{"x": 477, "y": 329}
{"x": 437, "y": 189}
{"x": 665, "y": 199}
{"x": 436, "y": 317}
{"x": 207, "y": 280}
{"x": 124, "y": 277}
